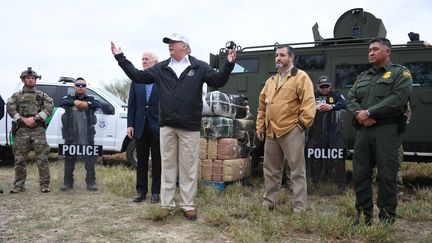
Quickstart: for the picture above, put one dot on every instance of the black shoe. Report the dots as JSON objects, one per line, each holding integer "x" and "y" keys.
{"x": 66, "y": 188}
{"x": 139, "y": 197}
{"x": 367, "y": 219}
{"x": 387, "y": 220}
{"x": 92, "y": 188}
{"x": 154, "y": 198}
{"x": 1, "y": 191}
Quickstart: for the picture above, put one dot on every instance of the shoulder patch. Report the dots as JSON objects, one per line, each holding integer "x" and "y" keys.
{"x": 406, "y": 73}
{"x": 387, "y": 74}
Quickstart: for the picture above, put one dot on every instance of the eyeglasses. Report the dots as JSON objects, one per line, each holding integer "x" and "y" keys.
{"x": 324, "y": 86}
{"x": 80, "y": 85}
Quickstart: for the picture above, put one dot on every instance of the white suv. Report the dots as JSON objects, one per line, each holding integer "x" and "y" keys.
{"x": 111, "y": 126}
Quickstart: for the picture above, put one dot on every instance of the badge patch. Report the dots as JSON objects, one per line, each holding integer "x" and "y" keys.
{"x": 406, "y": 74}
{"x": 102, "y": 124}
{"x": 387, "y": 74}
{"x": 191, "y": 73}
{"x": 331, "y": 100}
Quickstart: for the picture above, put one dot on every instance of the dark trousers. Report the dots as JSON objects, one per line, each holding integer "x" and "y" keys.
{"x": 148, "y": 142}
{"x": 376, "y": 146}
{"x": 89, "y": 165}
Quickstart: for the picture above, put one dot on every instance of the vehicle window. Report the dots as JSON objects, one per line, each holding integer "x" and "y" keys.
{"x": 246, "y": 65}
{"x": 421, "y": 73}
{"x": 346, "y": 74}
{"x": 310, "y": 62}
{"x": 50, "y": 90}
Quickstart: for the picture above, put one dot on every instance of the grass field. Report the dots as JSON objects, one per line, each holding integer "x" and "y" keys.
{"x": 233, "y": 215}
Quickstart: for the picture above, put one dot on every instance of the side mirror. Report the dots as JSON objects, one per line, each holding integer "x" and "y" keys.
{"x": 107, "y": 108}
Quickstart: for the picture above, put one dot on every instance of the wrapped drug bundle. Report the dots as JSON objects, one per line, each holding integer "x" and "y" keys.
{"x": 228, "y": 148}
{"x": 203, "y": 147}
{"x": 238, "y": 103}
{"x": 244, "y": 131}
{"x": 235, "y": 169}
{"x": 216, "y": 103}
{"x": 216, "y": 127}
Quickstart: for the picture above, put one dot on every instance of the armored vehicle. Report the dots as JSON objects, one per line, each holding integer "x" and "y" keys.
{"x": 342, "y": 58}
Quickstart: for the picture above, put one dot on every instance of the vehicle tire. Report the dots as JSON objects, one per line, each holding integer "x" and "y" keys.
{"x": 6, "y": 155}
{"x": 131, "y": 154}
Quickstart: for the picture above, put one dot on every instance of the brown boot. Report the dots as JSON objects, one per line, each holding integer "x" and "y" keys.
{"x": 17, "y": 189}
{"x": 191, "y": 214}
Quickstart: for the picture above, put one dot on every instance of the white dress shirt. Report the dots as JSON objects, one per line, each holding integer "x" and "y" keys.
{"x": 179, "y": 67}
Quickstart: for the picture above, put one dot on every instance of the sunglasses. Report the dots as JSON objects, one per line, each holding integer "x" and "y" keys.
{"x": 324, "y": 86}
{"x": 80, "y": 85}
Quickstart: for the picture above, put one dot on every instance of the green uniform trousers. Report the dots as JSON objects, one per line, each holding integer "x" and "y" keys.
{"x": 376, "y": 146}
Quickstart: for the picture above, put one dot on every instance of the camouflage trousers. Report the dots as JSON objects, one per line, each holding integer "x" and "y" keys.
{"x": 25, "y": 140}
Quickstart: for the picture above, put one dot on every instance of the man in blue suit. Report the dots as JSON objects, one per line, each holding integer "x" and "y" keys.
{"x": 143, "y": 126}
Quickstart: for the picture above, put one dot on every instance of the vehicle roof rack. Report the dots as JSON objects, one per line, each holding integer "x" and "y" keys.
{"x": 66, "y": 80}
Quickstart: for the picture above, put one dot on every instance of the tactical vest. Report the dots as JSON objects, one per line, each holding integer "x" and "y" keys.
{"x": 30, "y": 104}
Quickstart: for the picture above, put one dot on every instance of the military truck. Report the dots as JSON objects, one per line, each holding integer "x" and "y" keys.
{"x": 342, "y": 58}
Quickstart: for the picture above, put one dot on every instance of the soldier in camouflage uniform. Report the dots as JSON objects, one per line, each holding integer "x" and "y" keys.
{"x": 29, "y": 108}
{"x": 378, "y": 100}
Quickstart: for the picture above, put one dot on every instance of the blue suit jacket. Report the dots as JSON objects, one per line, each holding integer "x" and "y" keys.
{"x": 140, "y": 111}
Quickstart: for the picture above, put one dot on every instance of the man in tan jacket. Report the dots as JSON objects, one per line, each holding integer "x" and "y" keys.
{"x": 286, "y": 109}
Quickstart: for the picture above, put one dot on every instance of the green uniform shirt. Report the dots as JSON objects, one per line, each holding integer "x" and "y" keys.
{"x": 383, "y": 92}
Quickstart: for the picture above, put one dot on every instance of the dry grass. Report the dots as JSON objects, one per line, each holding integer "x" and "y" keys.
{"x": 234, "y": 215}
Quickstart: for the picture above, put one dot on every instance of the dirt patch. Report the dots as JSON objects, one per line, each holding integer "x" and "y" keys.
{"x": 84, "y": 216}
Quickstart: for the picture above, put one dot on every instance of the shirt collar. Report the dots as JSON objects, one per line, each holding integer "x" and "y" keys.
{"x": 28, "y": 90}
{"x": 184, "y": 60}
{"x": 286, "y": 73}
{"x": 386, "y": 68}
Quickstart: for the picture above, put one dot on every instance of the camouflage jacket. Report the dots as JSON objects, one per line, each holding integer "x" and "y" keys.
{"x": 29, "y": 103}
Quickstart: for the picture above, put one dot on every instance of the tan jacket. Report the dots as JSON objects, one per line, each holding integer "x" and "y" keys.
{"x": 282, "y": 109}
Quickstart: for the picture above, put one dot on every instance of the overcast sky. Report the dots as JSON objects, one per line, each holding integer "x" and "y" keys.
{"x": 72, "y": 37}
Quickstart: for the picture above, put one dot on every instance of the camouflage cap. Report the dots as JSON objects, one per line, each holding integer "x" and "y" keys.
{"x": 29, "y": 72}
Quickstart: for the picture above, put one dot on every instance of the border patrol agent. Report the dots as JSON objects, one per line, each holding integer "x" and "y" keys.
{"x": 378, "y": 100}
{"x": 334, "y": 100}
{"x": 29, "y": 109}
{"x": 329, "y": 100}
{"x": 78, "y": 123}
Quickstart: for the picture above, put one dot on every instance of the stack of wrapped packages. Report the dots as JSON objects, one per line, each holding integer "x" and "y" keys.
{"x": 226, "y": 138}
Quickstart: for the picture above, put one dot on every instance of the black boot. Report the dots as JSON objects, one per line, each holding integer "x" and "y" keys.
{"x": 367, "y": 218}
{"x": 66, "y": 187}
{"x": 90, "y": 179}
{"x": 69, "y": 168}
